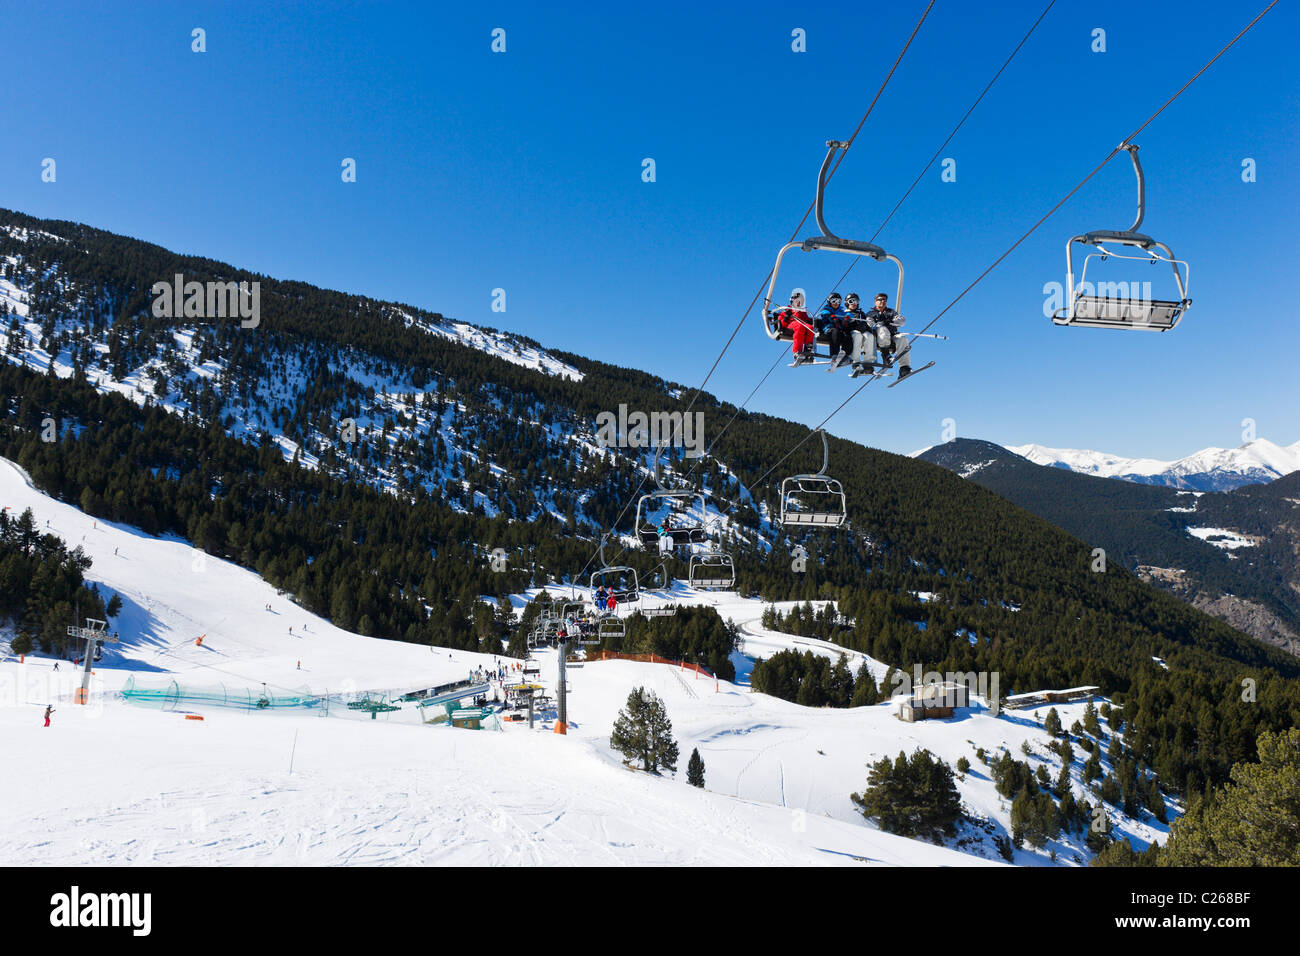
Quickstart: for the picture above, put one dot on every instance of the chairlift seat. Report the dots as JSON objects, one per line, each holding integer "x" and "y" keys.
{"x": 1106, "y": 312}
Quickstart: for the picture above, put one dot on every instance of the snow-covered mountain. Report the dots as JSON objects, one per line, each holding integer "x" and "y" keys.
{"x": 1210, "y": 469}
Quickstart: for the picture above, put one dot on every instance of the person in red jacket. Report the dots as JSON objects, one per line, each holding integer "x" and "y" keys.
{"x": 795, "y": 318}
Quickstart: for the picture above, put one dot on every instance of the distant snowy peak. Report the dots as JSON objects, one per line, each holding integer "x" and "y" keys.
{"x": 1210, "y": 469}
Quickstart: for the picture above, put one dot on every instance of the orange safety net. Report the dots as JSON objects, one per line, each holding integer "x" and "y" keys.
{"x": 646, "y": 659}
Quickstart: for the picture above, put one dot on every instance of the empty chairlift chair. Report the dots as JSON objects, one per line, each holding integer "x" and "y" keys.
{"x": 813, "y": 501}
{"x": 665, "y": 609}
{"x": 713, "y": 571}
{"x": 826, "y": 242}
{"x": 1124, "y": 310}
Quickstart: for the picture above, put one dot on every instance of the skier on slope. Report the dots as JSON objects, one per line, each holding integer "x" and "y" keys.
{"x": 49, "y": 709}
{"x": 796, "y": 320}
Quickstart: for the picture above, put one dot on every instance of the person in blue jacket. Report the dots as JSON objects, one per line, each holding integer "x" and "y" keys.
{"x": 832, "y": 322}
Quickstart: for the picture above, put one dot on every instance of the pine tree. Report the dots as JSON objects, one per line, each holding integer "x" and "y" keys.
{"x": 644, "y": 732}
{"x": 1090, "y": 722}
{"x": 1254, "y": 820}
{"x": 695, "y": 769}
{"x": 912, "y": 797}
{"x": 1155, "y": 801}
{"x": 1053, "y": 723}
{"x": 865, "y": 692}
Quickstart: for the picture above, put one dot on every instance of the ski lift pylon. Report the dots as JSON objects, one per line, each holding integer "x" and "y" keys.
{"x": 828, "y": 242}
{"x": 829, "y": 506}
{"x": 1123, "y": 311}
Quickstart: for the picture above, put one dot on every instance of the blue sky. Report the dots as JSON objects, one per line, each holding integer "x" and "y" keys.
{"x": 522, "y": 171}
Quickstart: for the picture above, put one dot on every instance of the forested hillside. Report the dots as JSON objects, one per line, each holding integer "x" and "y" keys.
{"x": 1249, "y": 576}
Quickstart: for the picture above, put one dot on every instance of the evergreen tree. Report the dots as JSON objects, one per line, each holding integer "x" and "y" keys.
{"x": 864, "y": 688}
{"x": 1155, "y": 801}
{"x": 1253, "y": 820}
{"x": 695, "y": 769}
{"x": 1053, "y": 723}
{"x": 914, "y": 797}
{"x": 644, "y": 732}
{"x": 1090, "y": 722}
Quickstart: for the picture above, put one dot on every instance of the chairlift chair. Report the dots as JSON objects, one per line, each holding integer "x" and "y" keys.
{"x": 667, "y": 608}
{"x": 814, "y": 500}
{"x": 713, "y": 571}
{"x": 630, "y": 589}
{"x": 828, "y": 242}
{"x": 1128, "y": 311}
{"x": 607, "y": 626}
{"x": 647, "y": 528}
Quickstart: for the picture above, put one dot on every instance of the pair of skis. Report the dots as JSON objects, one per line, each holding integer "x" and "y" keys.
{"x": 880, "y": 373}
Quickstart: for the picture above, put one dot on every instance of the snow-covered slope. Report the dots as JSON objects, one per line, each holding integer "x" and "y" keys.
{"x": 1210, "y": 469}
{"x": 305, "y": 786}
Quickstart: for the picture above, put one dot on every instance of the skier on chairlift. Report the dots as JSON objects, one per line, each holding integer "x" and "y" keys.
{"x": 665, "y": 533}
{"x": 858, "y": 329}
{"x": 832, "y": 322}
{"x": 794, "y": 317}
{"x": 885, "y": 323}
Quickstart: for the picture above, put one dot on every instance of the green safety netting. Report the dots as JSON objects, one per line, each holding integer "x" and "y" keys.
{"x": 173, "y": 693}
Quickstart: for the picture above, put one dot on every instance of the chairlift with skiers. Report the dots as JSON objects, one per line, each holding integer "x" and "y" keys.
{"x": 801, "y": 329}
{"x": 682, "y": 523}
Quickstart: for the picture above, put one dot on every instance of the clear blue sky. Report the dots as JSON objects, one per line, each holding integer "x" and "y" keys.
{"x": 522, "y": 171}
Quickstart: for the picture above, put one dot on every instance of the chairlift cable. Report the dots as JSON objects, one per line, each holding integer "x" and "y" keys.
{"x": 954, "y": 132}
